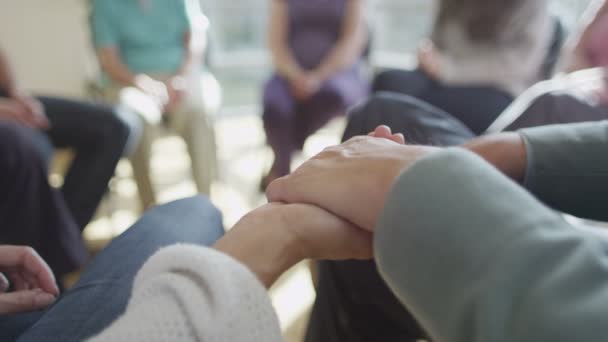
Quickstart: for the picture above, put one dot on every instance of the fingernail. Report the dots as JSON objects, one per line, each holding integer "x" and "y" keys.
{"x": 44, "y": 299}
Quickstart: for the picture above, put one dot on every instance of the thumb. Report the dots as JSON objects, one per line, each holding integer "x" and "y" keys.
{"x": 27, "y": 300}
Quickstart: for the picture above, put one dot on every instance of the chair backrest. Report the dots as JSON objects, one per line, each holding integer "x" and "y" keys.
{"x": 565, "y": 99}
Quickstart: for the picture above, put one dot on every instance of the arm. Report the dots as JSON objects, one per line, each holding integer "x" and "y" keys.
{"x": 485, "y": 261}
{"x": 219, "y": 294}
{"x": 562, "y": 165}
{"x": 350, "y": 45}
{"x": 190, "y": 293}
{"x": 188, "y": 36}
{"x": 113, "y": 66}
{"x": 283, "y": 60}
{"x": 20, "y": 107}
{"x": 7, "y": 80}
{"x": 579, "y": 58}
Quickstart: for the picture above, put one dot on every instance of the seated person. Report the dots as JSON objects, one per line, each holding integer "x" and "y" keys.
{"x": 465, "y": 285}
{"x": 317, "y": 47}
{"x": 95, "y": 133}
{"x": 480, "y": 52}
{"x": 209, "y": 284}
{"x": 150, "y": 52}
{"x": 468, "y": 264}
{"x": 33, "y": 213}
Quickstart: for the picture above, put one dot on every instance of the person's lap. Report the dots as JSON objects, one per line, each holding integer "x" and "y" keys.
{"x": 98, "y": 138}
{"x": 353, "y": 303}
{"x": 103, "y": 290}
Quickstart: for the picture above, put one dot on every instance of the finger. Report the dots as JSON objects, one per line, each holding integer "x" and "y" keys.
{"x": 383, "y": 131}
{"x": 398, "y": 138}
{"x": 26, "y": 260}
{"x": 4, "y": 283}
{"x": 275, "y": 191}
{"x": 22, "y": 301}
{"x": 18, "y": 282}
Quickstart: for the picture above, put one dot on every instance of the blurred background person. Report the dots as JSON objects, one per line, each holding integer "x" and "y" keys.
{"x": 479, "y": 57}
{"x": 317, "y": 49}
{"x": 95, "y": 134}
{"x": 151, "y": 53}
{"x": 32, "y": 212}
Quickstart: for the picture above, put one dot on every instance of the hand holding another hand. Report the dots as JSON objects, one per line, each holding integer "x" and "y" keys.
{"x": 24, "y": 110}
{"x": 351, "y": 180}
{"x": 274, "y": 237}
{"x": 305, "y": 85}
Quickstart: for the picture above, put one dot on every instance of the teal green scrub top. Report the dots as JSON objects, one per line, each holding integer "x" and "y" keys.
{"x": 150, "y": 38}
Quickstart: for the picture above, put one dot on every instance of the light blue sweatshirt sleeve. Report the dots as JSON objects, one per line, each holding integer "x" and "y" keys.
{"x": 476, "y": 258}
{"x": 568, "y": 167}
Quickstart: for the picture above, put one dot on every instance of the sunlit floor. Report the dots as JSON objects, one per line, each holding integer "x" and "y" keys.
{"x": 243, "y": 159}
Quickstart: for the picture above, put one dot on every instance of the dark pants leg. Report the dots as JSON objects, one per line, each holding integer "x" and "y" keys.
{"x": 353, "y": 303}
{"x": 104, "y": 288}
{"x": 98, "y": 138}
{"x": 476, "y": 106}
{"x": 32, "y": 213}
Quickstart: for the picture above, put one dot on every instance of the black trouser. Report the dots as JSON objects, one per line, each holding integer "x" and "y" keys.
{"x": 353, "y": 303}
{"x": 475, "y": 106}
{"x": 97, "y": 137}
{"x": 32, "y": 213}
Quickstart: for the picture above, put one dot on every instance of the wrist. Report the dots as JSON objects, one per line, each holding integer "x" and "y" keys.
{"x": 266, "y": 250}
{"x": 505, "y": 151}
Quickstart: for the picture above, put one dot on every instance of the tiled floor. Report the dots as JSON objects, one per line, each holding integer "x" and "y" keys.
{"x": 243, "y": 159}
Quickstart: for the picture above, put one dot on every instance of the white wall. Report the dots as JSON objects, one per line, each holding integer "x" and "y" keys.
{"x": 47, "y": 42}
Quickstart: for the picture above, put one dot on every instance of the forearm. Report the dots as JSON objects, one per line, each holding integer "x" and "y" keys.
{"x": 268, "y": 252}
{"x": 7, "y": 80}
{"x": 505, "y": 151}
{"x": 210, "y": 295}
{"x": 189, "y": 57}
{"x": 568, "y": 169}
{"x": 577, "y": 56}
{"x": 466, "y": 250}
{"x": 113, "y": 66}
{"x": 351, "y": 44}
{"x": 284, "y": 62}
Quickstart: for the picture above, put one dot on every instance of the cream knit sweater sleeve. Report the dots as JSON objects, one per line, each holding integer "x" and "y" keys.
{"x": 191, "y": 293}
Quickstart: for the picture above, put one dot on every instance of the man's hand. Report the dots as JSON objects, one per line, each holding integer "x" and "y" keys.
{"x": 33, "y": 282}
{"x": 274, "y": 237}
{"x": 23, "y": 110}
{"x": 351, "y": 180}
{"x": 176, "y": 90}
{"x": 157, "y": 90}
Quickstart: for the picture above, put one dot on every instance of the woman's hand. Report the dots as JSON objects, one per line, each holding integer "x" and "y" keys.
{"x": 305, "y": 85}
{"x": 33, "y": 282}
{"x": 351, "y": 180}
{"x": 274, "y": 237}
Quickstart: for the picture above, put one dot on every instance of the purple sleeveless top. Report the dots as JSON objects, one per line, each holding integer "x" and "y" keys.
{"x": 314, "y": 28}
{"x": 598, "y": 42}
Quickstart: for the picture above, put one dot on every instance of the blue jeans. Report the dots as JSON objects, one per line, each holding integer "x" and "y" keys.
{"x": 103, "y": 291}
